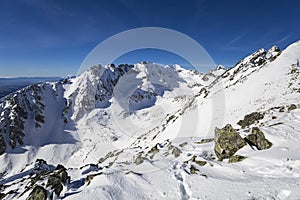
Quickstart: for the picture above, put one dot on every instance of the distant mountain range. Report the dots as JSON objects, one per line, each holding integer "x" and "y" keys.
{"x": 9, "y": 85}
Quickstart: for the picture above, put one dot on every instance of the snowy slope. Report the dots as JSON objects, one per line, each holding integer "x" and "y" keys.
{"x": 136, "y": 132}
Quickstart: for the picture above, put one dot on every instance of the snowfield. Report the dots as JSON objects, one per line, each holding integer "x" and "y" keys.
{"x": 147, "y": 131}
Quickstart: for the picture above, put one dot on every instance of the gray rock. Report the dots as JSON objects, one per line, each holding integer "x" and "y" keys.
{"x": 227, "y": 142}
{"x": 236, "y": 158}
{"x": 250, "y": 119}
{"x": 139, "y": 159}
{"x": 38, "y": 193}
{"x": 257, "y": 139}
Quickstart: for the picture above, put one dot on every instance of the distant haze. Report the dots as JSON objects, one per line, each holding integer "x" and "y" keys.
{"x": 9, "y": 85}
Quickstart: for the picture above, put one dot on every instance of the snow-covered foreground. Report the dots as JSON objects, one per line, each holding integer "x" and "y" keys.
{"x": 147, "y": 131}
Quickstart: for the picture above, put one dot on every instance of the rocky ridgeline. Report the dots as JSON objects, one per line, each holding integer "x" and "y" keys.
{"x": 15, "y": 110}
{"x": 43, "y": 181}
{"x": 249, "y": 64}
{"x": 95, "y": 87}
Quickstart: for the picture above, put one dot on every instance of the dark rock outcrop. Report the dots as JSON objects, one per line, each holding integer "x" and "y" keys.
{"x": 227, "y": 142}
{"x": 257, "y": 139}
{"x": 236, "y": 158}
{"x": 38, "y": 193}
{"x": 250, "y": 119}
{"x": 58, "y": 179}
{"x": 2, "y": 145}
{"x": 292, "y": 107}
{"x": 18, "y": 108}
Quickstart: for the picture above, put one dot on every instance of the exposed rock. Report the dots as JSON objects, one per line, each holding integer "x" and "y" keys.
{"x": 236, "y": 158}
{"x": 183, "y": 144}
{"x": 257, "y": 139}
{"x": 88, "y": 179}
{"x": 139, "y": 159}
{"x": 281, "y": 109}
{"x": 203, "y": 91}
{"x": 96, "y": 91}
{"x": 57, "y": 179}
{"x": 38, "y": 193}
{"x": 193, "y": 169}
{"x": 55, "y": 184}
{"x": 199, "y": 162}
{"x": 2, "y": 195}
{"x": 41, "y": 165}
{"x": 175, "y": 151}
{"x": 227, "y": 142}
{"x": 203, "y": 141}
{"x": 250, "y": 119}
{"x": 154, "y": 150}
{"x": 2, "y": 145}
{"x": 17, "y": 108}
{"x": 292, "y": 107}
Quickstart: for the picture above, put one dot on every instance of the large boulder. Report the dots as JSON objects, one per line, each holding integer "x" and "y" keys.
{"x": 227, "y": 142}
{"x": 257, "y": 139}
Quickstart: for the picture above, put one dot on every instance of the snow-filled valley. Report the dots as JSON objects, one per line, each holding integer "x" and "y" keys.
{"x": 147, "y": 131}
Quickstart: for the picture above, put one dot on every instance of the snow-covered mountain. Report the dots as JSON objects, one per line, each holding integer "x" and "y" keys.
{"x": 147, "y": 131}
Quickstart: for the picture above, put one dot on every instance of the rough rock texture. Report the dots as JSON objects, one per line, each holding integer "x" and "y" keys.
{"x": 38, "y": 193}
{"x": 17, "y": 109}
{"x": 236, "y": 158}
{"x": 292, "y": 107}
{"x": 257, "y": 139}
{"x": 227, "y": 142}
{"x": 250, "y": 119}
{"x": 139, "y": 159}
{"x": 95, "y": 88}
{"x": 254, "y": 61}
{"x": 57, "y": 180}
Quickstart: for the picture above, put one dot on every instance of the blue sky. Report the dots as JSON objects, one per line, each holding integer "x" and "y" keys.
{"x": 52, "y": 37}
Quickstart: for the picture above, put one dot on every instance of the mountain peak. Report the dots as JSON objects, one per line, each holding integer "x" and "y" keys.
{"x": 115, "y": 123}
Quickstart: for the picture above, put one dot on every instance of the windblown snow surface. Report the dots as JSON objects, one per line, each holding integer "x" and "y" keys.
{"x": 135, "y": 132}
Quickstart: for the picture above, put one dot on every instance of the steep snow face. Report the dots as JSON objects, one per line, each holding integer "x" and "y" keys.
{"x": 139, "y": 102}
{"x": 134, "y": 87}
{"x": 29, "y": 116}
{"x": 262, "y": 80}
{"x": 94, "y": 88}
{"x": 249, "y": 65}
{"x": 32, "y": 125}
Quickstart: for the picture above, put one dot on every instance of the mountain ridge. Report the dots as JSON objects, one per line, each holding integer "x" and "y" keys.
{"x": 144, "y": 123}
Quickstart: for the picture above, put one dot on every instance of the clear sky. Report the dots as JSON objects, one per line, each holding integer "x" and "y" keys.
{"x": 52, "y": 37}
